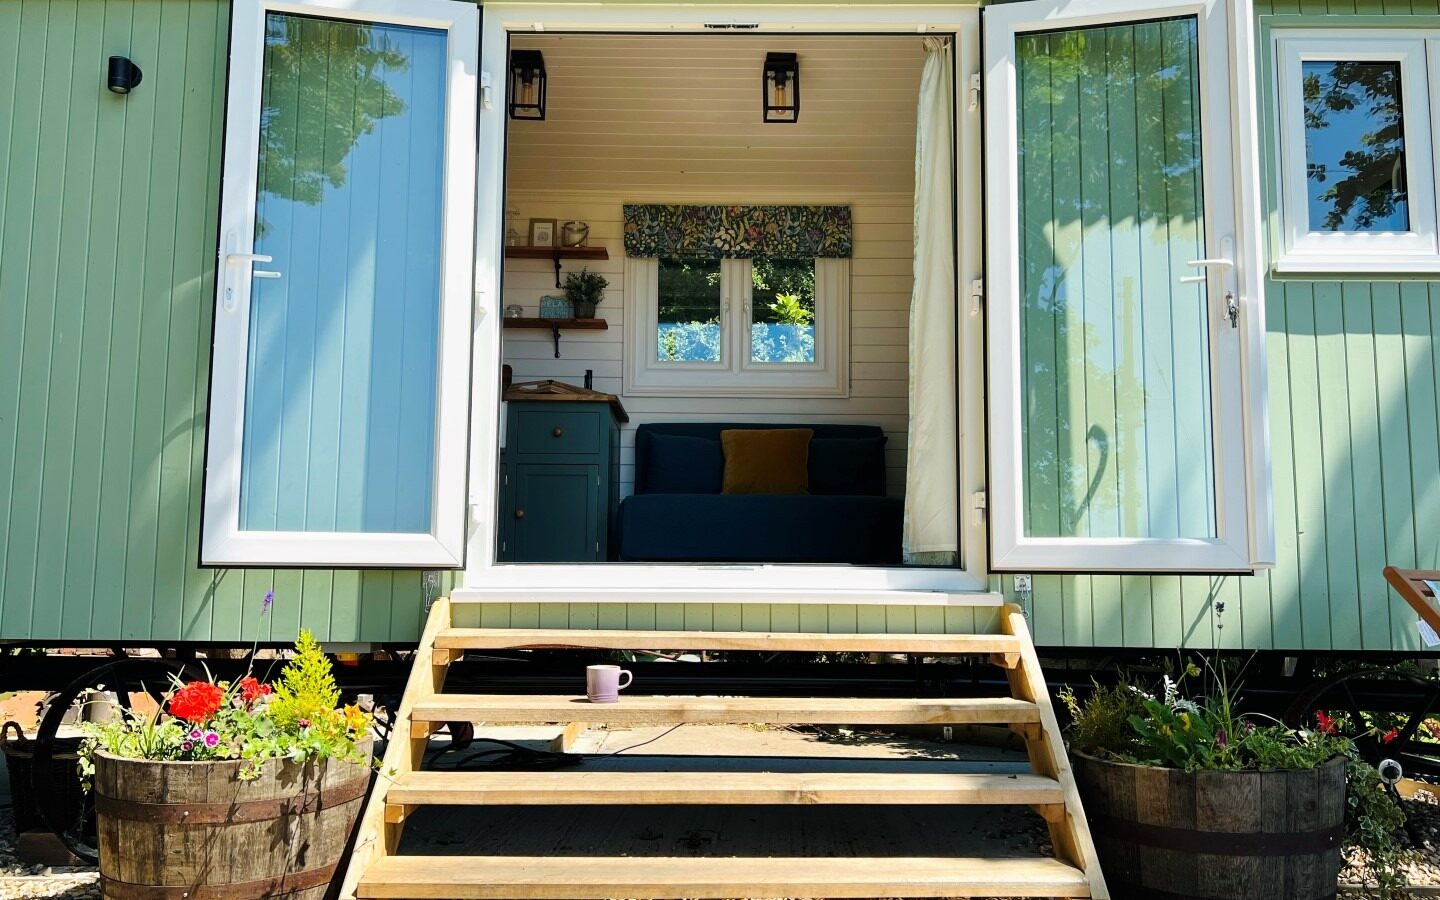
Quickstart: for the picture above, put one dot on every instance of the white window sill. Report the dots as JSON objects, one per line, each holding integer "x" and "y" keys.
{"x": 1339, "y": 262}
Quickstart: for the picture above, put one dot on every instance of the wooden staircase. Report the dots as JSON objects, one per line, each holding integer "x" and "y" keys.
{"x": 378, "y": 870}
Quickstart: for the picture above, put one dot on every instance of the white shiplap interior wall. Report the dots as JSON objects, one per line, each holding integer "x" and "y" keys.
{"x": 676, "y": 119}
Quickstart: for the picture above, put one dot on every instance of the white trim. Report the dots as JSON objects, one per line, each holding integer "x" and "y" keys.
{"x": 1304, "y": 250}
{"x": 734, "y": 374}
{"x": 725, "y": 595}
{"x": 1231, "y": 550}
{"x": 482, "y": 573}
{"x": 222, "y": 542}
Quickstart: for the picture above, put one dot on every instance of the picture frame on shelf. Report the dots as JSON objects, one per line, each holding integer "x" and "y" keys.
{"x": 542, "y": 232}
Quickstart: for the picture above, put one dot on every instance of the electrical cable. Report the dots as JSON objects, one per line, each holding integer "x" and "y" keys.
{"x": 510, "y": 755}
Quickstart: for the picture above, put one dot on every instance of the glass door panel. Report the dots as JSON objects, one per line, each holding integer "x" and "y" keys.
{"x": 1115, "y": 363}
{"x": 343, "y": 352}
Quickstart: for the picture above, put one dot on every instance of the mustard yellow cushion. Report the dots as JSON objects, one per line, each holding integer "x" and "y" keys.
{"x": 766, "y": 460}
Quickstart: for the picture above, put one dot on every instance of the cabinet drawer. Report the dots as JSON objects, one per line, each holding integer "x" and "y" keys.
{"x": 542, "y": 431}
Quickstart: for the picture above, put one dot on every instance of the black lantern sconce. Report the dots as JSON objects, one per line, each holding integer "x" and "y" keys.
{"x": 124, "y": 75}
{"x": 780, "y": 90}
{"x": 527, "y": 84}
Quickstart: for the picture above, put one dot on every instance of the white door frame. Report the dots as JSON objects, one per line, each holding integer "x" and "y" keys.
{"x": 1229, "y": 159}
{"x": 485, "y": 579}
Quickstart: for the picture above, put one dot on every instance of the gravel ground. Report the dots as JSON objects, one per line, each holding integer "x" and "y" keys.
{"x": 18, "y": 880}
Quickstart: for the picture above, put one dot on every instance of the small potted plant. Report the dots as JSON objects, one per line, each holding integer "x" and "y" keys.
{"x": 185, "y": 794}
{"x": 1187, "y": 796}
{"x": 584, "y": 289}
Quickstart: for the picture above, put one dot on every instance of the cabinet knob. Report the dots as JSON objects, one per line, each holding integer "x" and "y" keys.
{"x": 519, "y": 513}
{"x": 557, "y": 432}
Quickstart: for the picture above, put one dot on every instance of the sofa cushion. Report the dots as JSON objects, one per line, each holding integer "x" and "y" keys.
{"x": 850, "y": 466}
{"x": 646, "y": 434}
{"x": 681, "y": 464}
{"x": 766, "y": 460}
{"x": 788, "y": 528}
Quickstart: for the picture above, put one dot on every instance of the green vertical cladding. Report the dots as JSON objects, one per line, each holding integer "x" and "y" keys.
{"x": 107, "y": 221}
{"x": 1355, "y": 439}
{"x": 108, "y": 210}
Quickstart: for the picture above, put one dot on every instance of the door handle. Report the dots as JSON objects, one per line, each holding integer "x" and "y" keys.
{"x": 235, "y": 259}
{"x": 1209, "y": 263}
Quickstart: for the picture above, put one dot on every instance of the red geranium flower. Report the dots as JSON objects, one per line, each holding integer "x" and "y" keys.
{"x": 1326, "y": 723}
{"x": 197, "y": 701}
{"x": 252, "y": 690}
{"x": 1390, "y": 735}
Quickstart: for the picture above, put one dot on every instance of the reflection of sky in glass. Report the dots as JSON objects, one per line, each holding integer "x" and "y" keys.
{"x": 1354, "y": 146}
{"x": 341, "y": 381}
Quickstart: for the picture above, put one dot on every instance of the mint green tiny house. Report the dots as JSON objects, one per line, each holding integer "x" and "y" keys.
{"x": 110, "y": 221}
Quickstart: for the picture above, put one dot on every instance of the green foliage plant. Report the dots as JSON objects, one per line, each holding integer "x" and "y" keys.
{"x": 298, "y": 717}
{"x": 585, "y": 286}
{"x": 1206, "y": 732}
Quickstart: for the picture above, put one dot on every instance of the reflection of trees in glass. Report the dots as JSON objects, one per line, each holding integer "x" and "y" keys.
{"x": 689, "y": 311}
{"x": 1369, "y": 190}
{"x": 324, "y": 76}
{"x": 1113, "y": 351}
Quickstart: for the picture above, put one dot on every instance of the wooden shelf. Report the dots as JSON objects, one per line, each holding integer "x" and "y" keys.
{"x": 563, "y": 324}
{"x": 555, "y": 326}
{"x": 555, "y": 254}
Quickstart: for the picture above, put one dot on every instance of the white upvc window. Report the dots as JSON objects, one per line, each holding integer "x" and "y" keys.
{"x": 339, "y": 382}
{"x": 737, "y": 327}
{"x": 1356, "y": 133}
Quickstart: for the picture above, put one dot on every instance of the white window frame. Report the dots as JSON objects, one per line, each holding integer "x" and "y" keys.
{"x": 1244, "y": 523}
{"x": 735, "y": 374}
{"x": 487, "y": 581}
{"x": 223, "y": 543}
{"x": 1304, "y": 250}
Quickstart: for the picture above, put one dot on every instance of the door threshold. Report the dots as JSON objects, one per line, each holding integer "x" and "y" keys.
{"x": 808, "y": 596}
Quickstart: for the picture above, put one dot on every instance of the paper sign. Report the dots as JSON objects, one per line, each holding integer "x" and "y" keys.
{"x": 1427, "y": 634}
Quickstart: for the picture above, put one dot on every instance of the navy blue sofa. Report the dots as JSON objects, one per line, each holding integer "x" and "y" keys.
{"x": 677, "y": 513}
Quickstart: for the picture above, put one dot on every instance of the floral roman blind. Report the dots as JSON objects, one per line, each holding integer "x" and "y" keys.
{"x": 737, "y": 232}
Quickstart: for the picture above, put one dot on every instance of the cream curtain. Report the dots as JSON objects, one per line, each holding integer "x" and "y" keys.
{"x": 932, "y": 517}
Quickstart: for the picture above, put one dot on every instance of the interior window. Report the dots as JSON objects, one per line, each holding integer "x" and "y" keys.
{"x": 768, "y": 326}
{"x": 1357, "y": 176}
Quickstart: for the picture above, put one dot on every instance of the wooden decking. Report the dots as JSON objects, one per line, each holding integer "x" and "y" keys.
{"x": 380, "y": 870}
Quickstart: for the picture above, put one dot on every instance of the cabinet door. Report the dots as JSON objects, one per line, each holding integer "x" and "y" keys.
{"x": 556, "y": 513}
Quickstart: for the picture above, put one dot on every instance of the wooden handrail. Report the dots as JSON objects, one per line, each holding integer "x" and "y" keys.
{"x": 1411, "y": 585}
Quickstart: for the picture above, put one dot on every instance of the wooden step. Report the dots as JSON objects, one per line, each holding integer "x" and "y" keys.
{"x": 652, "y": 878}
{"x": 571, "y": 788}
{"x": 770, "y": 642}
{"x": 642, "y": 710}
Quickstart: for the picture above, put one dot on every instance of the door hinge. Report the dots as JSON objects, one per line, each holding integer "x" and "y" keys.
{"x": 982, "y": 503}
{"x": 975, "y": 91}
{"x": 977, "y": 296}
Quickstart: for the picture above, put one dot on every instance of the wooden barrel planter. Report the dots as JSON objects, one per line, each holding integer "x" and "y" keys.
{"x": 1165, "y": 834}
{"x": 195, "y": 831}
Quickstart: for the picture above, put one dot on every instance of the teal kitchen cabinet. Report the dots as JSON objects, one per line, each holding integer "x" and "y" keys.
{"x": 560, "y": 475}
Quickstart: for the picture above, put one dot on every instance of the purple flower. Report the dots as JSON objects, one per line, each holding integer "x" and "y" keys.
{"x": 268, "y": 602}
{"x": 212, "y": 740}
{"x": 1220, "y": 737}
{"x": 196, "y": 734}
{"x": 186, "y": 746}
{"x": 304, "y": 723}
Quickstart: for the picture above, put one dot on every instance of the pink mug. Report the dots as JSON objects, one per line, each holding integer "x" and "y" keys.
{"x": 602, "y": 683}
